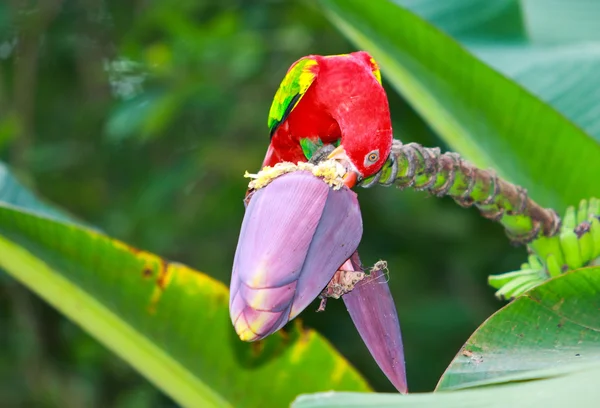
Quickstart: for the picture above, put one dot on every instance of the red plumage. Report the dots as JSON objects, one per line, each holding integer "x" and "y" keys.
{"x": 345, "y": 101}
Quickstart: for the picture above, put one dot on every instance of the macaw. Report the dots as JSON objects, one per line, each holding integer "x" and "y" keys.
{"x": 338, "y": 100}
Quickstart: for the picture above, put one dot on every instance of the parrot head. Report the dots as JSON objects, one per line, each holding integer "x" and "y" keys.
{"x": 363, "y": 154}
{"x": 365, "y": 123}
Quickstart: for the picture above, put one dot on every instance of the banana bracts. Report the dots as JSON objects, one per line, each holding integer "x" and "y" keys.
{"x": 298, "y": 242}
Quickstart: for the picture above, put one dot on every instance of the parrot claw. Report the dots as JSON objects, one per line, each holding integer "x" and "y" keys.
{"x": 321, "y": 154}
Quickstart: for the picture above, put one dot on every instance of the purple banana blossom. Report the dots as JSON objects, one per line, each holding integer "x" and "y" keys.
{"x": 373, "y": 312}
{"x": 296, "y": 233}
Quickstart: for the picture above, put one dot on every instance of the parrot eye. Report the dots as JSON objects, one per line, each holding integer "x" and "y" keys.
{"x": 372, "y": 158}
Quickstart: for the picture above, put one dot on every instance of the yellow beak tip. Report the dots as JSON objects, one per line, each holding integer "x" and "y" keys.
{"x": 338, "y": 152}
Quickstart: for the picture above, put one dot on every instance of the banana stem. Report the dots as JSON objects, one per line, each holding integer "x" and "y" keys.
{"x": 421, "y": 168}
{"x": 556, "y": 246}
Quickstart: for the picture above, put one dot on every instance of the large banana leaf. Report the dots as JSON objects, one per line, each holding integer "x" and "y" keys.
{"x": 565, "y": 76}
{"x": 471, "y": 18}
{"x": 551, "y": 21}
{"x": 167, "y": 320}
{"x": 575, "y": 386}
{"x": 480, "y": 113}
{"x": 556, "y": 323}
{"x": 550, "y": 335}
{"x": 549, "y": 47}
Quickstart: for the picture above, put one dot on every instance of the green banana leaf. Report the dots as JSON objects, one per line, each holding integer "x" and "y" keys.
{"x": 555, "y": 323}
{"x": 167, "y": 320}
{"x": 567, "y": 386}
{"x": 564, "y": 76}
{"x": 498, "y": 19}
{"x": 552, "y": 48}
{"x": 543, "y": 349}
{"x": 480, "y": 113}
{"x": 550, "y": 21}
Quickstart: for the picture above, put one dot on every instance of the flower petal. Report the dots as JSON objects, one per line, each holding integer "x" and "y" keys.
{"x": 277, "y": 230}
{"x": 373, "y": 312}
{"x": 296, "y": 233}
{"x": 335, "y": 239}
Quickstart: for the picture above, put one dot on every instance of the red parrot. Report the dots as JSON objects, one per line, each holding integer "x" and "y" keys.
{"x": 297, "y": 230}
{"x": 337, "y": 100}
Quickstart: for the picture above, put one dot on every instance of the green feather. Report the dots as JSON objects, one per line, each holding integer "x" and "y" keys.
{"x": 309, "y": 147}
{"x": 294, "y": 85}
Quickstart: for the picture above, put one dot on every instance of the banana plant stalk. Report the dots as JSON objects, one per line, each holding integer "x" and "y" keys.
{"x": 421, "y": 168}
{"x": 557, "y": 246}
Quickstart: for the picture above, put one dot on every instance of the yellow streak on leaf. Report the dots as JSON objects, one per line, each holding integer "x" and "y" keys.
{"x": 194, "y": 282}
{"x": 340, "y": 368}
{"x": 301, "y": 346}
{"x": 165, "y": 276}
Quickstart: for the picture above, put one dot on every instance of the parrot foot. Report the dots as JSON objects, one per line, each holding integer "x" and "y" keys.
{"x": 321, "y": 154}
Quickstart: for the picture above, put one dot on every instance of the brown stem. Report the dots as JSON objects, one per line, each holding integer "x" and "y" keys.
{"x": 415, "y": 166}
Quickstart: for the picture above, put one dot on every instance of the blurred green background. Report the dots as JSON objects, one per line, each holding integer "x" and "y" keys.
{"x": 141, "y": 117}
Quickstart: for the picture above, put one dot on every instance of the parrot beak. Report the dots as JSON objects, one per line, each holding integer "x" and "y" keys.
{"x": 352, "y": 175}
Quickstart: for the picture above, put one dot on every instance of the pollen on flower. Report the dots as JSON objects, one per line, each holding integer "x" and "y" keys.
{"x": 330, "y": 171}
